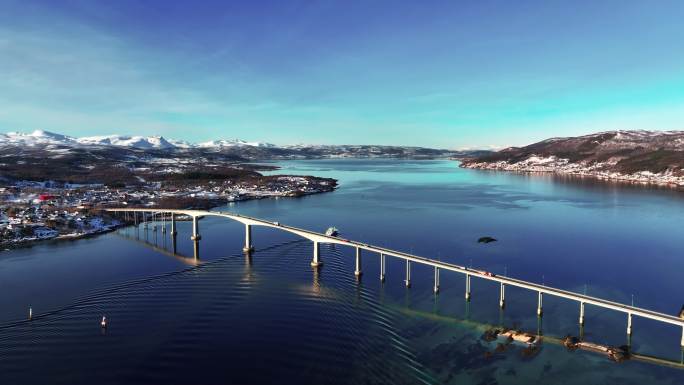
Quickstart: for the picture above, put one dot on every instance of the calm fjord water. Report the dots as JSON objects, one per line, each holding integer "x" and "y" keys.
{"x": 271, "y": 318}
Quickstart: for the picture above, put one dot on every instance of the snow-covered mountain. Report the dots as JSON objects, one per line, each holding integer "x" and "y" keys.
{"x": 233, "y": 143}
{"x": 127, "y": 141}
{"x": 36, "y": 137}
{"x": 40, "y": 137}
{"x": 117, "y": 159}
{"x": 43, "y": 144}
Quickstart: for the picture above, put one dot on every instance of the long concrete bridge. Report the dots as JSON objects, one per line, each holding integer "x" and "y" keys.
{"x": 318, "y": 238}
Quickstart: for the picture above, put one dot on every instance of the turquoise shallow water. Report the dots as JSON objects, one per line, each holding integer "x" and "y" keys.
{"x": 224, "y": 318}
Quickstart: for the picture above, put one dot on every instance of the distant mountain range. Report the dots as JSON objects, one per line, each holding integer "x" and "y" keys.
{"x": 40, "y": 137}
{"x": 638, "y": 156}
{"x": 43, "y": 155}
{"x": 235, "y": 147}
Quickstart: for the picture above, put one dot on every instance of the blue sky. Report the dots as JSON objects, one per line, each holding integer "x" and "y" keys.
{"x": 449, "y": 74}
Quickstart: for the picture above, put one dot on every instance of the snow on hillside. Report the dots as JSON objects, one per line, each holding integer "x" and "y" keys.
{"x": 233, "y": 143}
{"x": 650, "y": 157}
{"x": 127, "y": 141}
{"x": 36, "y": 137}
{"x": 40, "y": 137}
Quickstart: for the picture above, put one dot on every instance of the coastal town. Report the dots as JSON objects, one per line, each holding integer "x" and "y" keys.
{"x": 639, "y": 157}
{"x": 599, "y": 170}
{"x": 33, "y": 211}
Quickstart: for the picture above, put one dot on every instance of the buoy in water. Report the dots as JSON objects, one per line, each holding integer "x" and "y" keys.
{"x": 30, "y": 312}
{"x": 103, "y": 323}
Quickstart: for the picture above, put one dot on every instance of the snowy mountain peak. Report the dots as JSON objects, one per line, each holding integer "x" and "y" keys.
{"x": 49, "y": 135}
{"x": 141, "y": 142}
{"x": 127, "y": 141}
{"x": 232, "y": 143}
{"x": 36, "y": 137}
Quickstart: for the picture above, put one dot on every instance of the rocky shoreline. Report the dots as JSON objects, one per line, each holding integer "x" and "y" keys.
{"x": 638, "y": 157}
{"x": 595, "y": 171}
{"x": 10, "y": 244}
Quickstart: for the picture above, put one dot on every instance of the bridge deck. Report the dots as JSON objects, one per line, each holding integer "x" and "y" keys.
{"x": 322, "y": 238}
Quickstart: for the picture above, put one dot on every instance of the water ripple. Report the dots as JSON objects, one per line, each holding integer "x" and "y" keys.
{"x": 231, "y": 320}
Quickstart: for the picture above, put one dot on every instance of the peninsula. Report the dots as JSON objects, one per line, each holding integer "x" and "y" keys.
{"x": 644, "y": 157}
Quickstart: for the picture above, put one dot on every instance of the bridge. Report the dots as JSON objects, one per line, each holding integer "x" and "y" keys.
{"x": 318, "y": 238}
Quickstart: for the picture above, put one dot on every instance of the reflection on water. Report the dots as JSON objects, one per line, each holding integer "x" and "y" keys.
{"x": 255, "y": 319}
{"x": 268, "y": 316}
{"x": 588, "y": 182}
{"x": 160, "y": 242}
{"x": 161, "y": 248}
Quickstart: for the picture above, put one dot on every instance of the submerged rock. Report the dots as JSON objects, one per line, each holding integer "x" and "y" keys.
{"x": 619, "y": 354}
{"x": 486, "y": 240}
{"x": 570, "y": 342}
{"x": 530, "y": 351}
{"x": 490, "y": 334}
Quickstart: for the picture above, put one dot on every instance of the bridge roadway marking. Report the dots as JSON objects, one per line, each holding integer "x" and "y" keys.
{"x": 322, "y": 238}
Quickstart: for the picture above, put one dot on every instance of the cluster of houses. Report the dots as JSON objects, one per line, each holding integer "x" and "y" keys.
{"x": 21, "y": 224}
{"x": 599, "y": 170}
{"x": 31, "y": 211}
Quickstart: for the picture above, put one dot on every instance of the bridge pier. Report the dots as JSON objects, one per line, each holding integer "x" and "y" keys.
{"x": 435, "y": 288}
{"x": 316, "y": 255}
{"x": 147, "y": 214}
{"x": 173, "y": 224}
{"x": 154, "y": 223}
{"x": 173, "y": 243}
{"x": 539, "y": 304}
{"x": 357, "y": 270}
{"x": 248, "y": 239}
{"x": 408, "y": 273}
{"x": 467, "y": 292}
{"x": 539, "y": 326}
{"x": 195, "y": 249}
{"x": 195, "y": 229}
{"x": 163, "y": 215}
